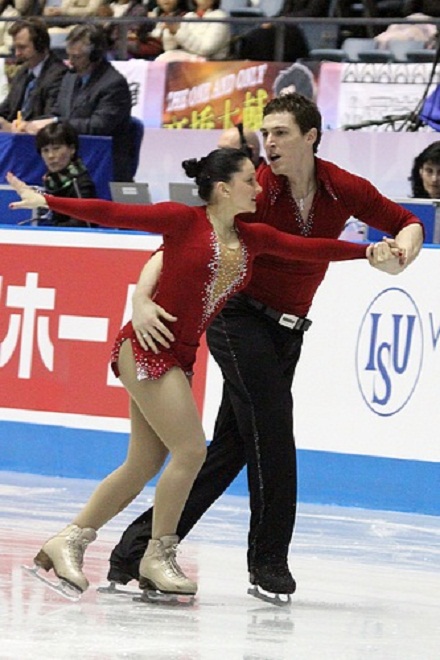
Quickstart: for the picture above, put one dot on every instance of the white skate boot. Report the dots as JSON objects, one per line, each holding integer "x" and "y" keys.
{"x": 64, "y": 554}
{"x": 161, "y": 577}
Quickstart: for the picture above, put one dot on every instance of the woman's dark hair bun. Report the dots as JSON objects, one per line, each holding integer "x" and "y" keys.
{"x": 191, "y": 167}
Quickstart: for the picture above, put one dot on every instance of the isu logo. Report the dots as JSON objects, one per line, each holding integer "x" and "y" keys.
{"x": 389, "y": 352}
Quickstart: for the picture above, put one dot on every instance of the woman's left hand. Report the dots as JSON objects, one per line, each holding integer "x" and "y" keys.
{"x": 30, "y": 198}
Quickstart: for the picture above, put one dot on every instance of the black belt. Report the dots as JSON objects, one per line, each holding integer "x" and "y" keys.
{"x": 288, "y": 320}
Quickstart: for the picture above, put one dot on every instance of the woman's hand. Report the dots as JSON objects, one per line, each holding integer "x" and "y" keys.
{"x": 30, "y": 198}
{"x": 387, "y": 255}
{"x": 148, "y": 323}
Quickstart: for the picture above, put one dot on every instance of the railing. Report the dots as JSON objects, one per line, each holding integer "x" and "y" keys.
{"x": 252, "y": 22}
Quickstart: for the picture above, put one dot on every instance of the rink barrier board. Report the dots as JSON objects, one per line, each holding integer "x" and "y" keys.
{"x": 324, "y": 477}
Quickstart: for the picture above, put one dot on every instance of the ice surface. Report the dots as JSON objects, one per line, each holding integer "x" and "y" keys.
{"x": 368, "y": 587}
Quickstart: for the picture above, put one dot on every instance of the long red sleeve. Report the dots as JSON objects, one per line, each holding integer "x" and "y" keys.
{"x": 298, "y": 248}
{"x": 157, "y": 218}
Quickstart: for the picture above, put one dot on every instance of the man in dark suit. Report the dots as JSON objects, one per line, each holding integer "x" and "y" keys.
{"x": 35, "y": 86}
{"x": 94, "y": 97}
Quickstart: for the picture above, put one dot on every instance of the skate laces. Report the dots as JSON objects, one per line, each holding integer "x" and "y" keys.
{"x": 77, "y": 547}
{"x": 170, "y": 553}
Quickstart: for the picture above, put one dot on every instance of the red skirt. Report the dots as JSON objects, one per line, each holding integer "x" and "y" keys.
{"x": 151, "y": 365}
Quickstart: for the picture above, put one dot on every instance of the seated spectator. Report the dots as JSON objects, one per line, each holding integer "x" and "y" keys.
{"x": 77, "y": 8}
{"x": 427, "y": 7}
{"x": 67, "y": 176}
{"x": 94, "y": 97}
{"x": 422, "y": 31}
{"x": 140, "y": 43}
{"x": 8, "y": 9}
{"x": 259, "y": 44}
{"x": 199, "y": 40}
{"x": 34, "y": 88}
{"x": 239, "y": 138}
{"x": 148, "y": 43}
{"x": 425, "y": 173}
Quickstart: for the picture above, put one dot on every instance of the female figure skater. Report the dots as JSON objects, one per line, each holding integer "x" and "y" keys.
{"x": 207, "y": 258}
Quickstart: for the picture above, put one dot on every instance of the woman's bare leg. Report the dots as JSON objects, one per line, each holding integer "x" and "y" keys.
{"x": 169, "y": 406}
{"x": 173, "y": 426}
{"x": 145, "y": 457}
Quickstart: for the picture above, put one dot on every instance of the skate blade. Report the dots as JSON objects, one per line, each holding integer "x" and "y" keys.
{"x": 62, "y": 587}
{"x": 280, "y": 600}
{"x": 162, "y": 598}
{"x": 112, "y": 589}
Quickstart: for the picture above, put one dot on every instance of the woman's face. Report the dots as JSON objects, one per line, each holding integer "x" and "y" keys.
{"x": 167, "y": 6}
{"x": 203, "y": 5}
{"x": 57, "y": 156}
{"x": 243, "y": 189}
{"x": 430, "y": 175}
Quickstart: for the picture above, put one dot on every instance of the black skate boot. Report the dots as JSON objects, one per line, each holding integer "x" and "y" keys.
{"x": 272, "y": 583}
{"x": 119, "y": 575}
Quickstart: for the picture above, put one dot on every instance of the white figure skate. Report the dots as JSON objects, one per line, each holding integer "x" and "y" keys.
{"x": 160, "y": 576}
{"x": 64, "y": 554}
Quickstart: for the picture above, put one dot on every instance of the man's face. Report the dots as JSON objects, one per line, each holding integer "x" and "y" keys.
{"x": 78, "y": 53}
{"x": 24, "y": 48}
{"x": 284, "y": 143}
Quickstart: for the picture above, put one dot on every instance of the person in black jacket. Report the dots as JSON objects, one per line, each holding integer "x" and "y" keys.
{"x": 260, "y": 43}
{"x": 67, "y": 176}
{"x": 94, "y": 97}
{"x": 35, "y": 86}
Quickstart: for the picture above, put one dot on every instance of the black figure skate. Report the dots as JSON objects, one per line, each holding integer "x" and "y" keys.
{"x": 272, "y": 583}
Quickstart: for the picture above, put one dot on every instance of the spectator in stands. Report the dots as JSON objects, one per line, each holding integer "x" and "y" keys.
{"x": 94, "y": 97}
{"x": 35, "y": 86}
{"x": 425, "y": 173}
{"x": 427, "y": 7}
{"x": 295, "y": 78}
{"x": 67, "y": 176}
{"x": 199, "y": 40}
{"x": 150, "y": 45}
{"x": 239, "y": 138}
{"x": 260, "y": 43}
{"x": 136, "y": 33}
{"x": 76, "y": 8}
{"x": 10, "y": 9}
{"x": 421, "y": 31}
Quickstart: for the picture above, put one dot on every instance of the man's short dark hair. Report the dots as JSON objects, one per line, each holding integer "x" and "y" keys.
{"x": 304, "y": 111}
{"x": 38, "y": 32}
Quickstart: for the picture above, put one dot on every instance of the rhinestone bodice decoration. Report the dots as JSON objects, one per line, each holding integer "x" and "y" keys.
{"x": 228, "y": 269}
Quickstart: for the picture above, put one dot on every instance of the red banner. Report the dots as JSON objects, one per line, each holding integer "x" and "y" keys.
{"x": 60, "y": 310}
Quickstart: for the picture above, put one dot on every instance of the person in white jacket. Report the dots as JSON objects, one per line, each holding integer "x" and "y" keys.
{"x": 198, "y": 40}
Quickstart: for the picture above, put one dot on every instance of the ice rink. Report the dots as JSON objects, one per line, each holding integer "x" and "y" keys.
{"x": 368, "y": 587}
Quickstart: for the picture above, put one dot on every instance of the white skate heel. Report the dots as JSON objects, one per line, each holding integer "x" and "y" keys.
{"x": 161, "y": 577}
{"x": 64, "y": 554}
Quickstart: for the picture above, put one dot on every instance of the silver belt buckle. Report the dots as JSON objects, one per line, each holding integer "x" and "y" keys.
{"x": 288, "y": 320}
